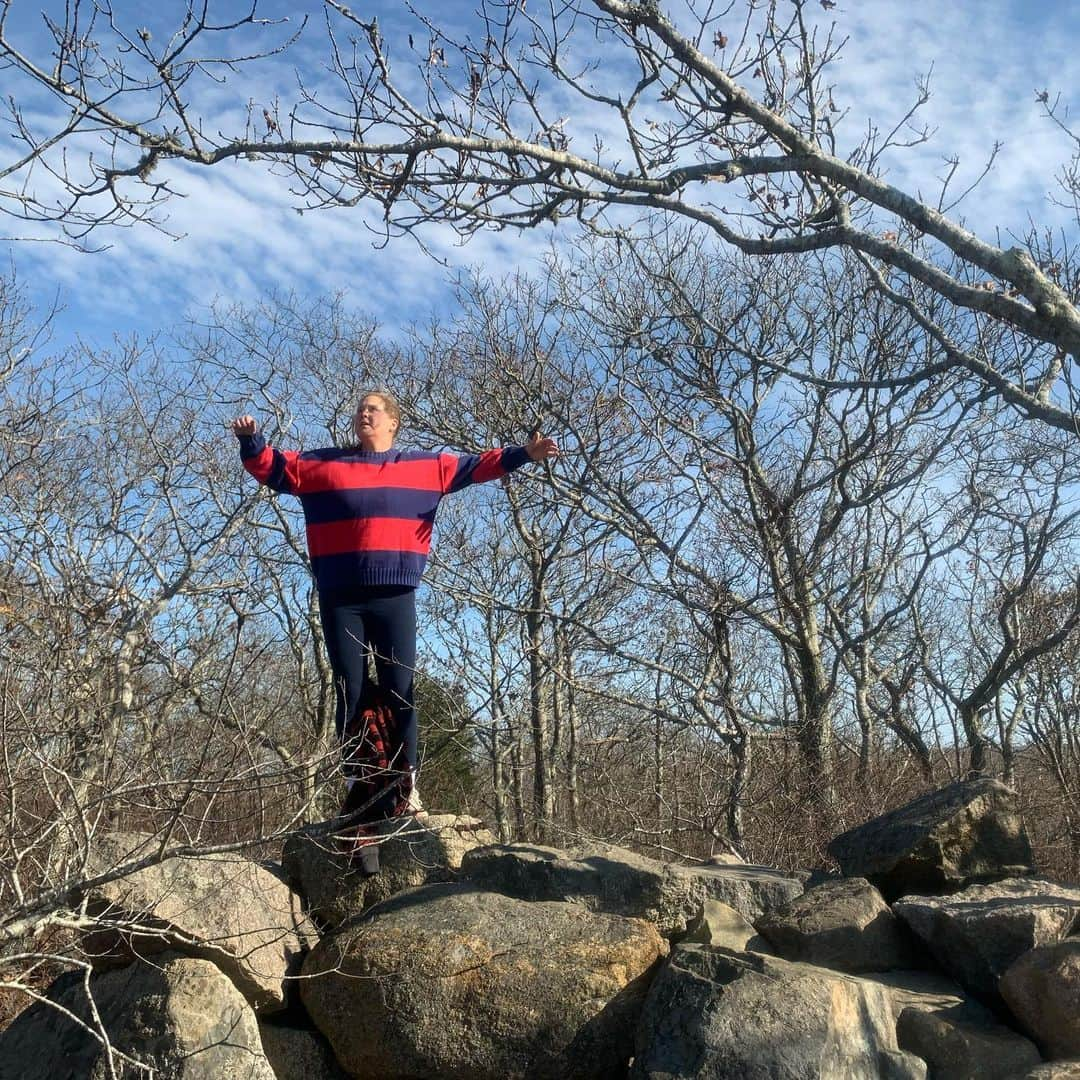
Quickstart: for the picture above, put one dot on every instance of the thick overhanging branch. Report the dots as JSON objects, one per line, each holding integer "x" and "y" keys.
{"x": 1055, "y": 313}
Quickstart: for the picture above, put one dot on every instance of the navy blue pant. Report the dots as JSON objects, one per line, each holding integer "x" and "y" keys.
{"x": 381, "y": 620}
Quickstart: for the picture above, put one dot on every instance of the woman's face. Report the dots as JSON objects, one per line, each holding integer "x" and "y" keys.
{"x": 374, "y": 426}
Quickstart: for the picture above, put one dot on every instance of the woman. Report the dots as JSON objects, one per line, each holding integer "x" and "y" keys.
{"x": 369, "y": 511}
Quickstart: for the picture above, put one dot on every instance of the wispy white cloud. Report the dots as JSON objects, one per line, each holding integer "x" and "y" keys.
{"x": 985, "y": 61}
{"x": 242, "y": 237}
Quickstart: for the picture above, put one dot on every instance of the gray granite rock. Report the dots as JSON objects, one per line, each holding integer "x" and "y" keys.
{"x": 179, "y": 1016}
{"x": 845, "y": 925}
{"x": 927, "y": 990}
{"x": 965, "y": 833}
{"x": 614, "y": 880}
{"x": 976, "y": 934}
{"x": 223, "y": 908}
{"x": 451, "y": 981}
{"x": 959, "y": 1044}
{"x": 1042, "y": 989}
{"x": 1055, "y": 1070}
{"x": 714, "y": 1014}
{"x": 720, "y": 924}
{"x": 299, "y": 1054}
{"x": 414, "y": 852}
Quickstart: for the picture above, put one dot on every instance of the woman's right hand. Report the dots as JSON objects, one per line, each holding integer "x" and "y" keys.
{"x": 243, "y": 425}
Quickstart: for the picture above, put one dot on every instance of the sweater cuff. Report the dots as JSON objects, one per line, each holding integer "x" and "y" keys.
{"x": 251, "y": 445}
{"x": 513, "y": 457}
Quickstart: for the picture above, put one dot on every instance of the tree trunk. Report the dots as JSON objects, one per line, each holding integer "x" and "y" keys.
{"x": 543, "y": 792}
{"x": 978, "y": 744}
{"x": 742, "y": 754}
{"x": 498, "y": 785}
{"x": 517, "y": 788}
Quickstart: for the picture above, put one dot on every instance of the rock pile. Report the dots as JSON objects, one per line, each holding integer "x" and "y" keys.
{"x": 937, "y": 954}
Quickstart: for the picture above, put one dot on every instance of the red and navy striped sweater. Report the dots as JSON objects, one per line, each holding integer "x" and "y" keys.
{"x": 369, "y": 514}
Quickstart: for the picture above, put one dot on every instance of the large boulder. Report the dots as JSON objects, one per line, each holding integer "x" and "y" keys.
{"x": 177, "y": 1017}
{"x": 965, "y": 833}
{"x": 412, "y": 852}
{"x": 1042, "y": 988}
{"x": 845, "y": 925}
{"x": 616, "y": 881}
{"x": 952, "y": 1032}
{"x": 713, "y": 1014}
{"x": 976, "y": 934}
{"x": 1055, "y": 1070}
{"x": 223, "y": 908}
{"x": 965, "y": 1044}
{"x": 454, "y": 983}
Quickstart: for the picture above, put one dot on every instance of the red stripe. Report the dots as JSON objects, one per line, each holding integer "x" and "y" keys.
{"x": 259, "y": 466}
{"x": 489, "y": 468}
{"x": 448, "y": 464}
{"x": 369, "y": 534}
{"x": 335, "y": 475}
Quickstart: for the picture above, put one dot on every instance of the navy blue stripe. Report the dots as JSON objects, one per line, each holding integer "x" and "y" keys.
{"x": 513, "y": 457}
{"x": 408, "y": 503}
{"x": 251, "y": 446}
{"x": 352, "y": 453}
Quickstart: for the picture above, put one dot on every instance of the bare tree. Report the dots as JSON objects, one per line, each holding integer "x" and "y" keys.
{"x": 813, "y": 514}
{"x": 582, "y": 110}
{"x": 142, "y": 690}
{"x": 1021, "y": 549}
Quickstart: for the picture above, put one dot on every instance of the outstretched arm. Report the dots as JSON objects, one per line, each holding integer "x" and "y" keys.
{"x": 460, "y": 472}
{"x": 274, "y": 468}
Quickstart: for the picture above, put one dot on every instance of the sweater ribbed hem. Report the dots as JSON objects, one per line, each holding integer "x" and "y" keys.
{"x": 329, "y": 589}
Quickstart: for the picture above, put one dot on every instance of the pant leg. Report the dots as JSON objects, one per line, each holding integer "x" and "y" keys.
{"x": 346, "y": 647}
{"x": 391, "y": 627}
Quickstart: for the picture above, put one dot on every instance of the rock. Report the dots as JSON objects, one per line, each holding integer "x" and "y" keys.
{"x": 428, "y": 850}
{"x": 962, "y": 834}
{"x": 299, "y": 1054}
{"x": 900, "y": 1065}
{"x": 976, "y": 934}
{"x": 616, "y": 881}
{"x": 1055, "y": 1070}
{"x": 845, "y": 925}
{"x": 179, "y": 1016}
{"x": 453, "y": 982}
{"x": 925, "y": 990}
{"x": 223, "y": 908}
{"x": 1042, "y": 988}
{"x": 713, "y": 1014}
{"x": 959, "y": 1044}
{"x": 727, "y": 858}
{"x": 948, "y": 1029}
{"x": 720, "y": 924}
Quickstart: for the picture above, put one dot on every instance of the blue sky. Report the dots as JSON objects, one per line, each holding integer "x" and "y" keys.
{"x": 242, "y": 238}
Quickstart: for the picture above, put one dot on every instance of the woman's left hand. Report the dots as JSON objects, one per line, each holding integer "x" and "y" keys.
{"x": 541, "y": 449}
